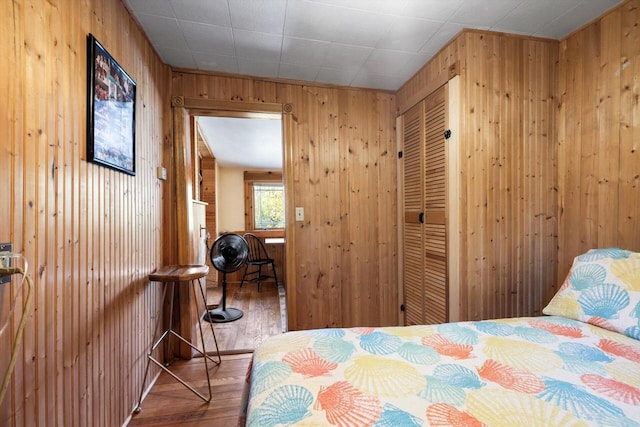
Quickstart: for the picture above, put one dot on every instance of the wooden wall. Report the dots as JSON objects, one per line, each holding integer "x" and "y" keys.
{"x": 599, "y": 136}
{"x": 344, "y": 174}
{"x": 91, "y": 235}
{"x": 508, "y": 162}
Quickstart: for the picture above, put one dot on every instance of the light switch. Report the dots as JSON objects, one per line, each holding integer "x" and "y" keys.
{"x": 299, "y": 214}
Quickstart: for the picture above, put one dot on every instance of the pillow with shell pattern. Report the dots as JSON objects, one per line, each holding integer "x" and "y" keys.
{"x": 602, "y": 288}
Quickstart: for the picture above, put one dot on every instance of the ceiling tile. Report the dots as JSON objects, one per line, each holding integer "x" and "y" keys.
{"x": 346, "y": 56}
{"x": 369, "y": 79}
{"x": 445, "y": 33}
{"x": 297, "y": 72}
{"x": 265, "y": 16}
{"x": 208, "y": 38}
{"x": 378, "y": 6}
{"x": 531, "y": 15}
{"x": 436, "y": 10}
{"x": 309, "y": 20}
{"x": 395, "y": 63}
{"x": 212, "y": 12}
{"x": 574, "y": 18}
{"x": 257, "y": 46}
{"x": 483, "y": 13}
{"x": 211, "y": 61}
{"x": 342, "y": 77}
{"x": 360, "y": 28}
{"x": 163, "y": 31}
{"x": 408, "y": 34}
{"x": 252, "y": 67}
{"x": 304, "y": 51}
{"x": 177, "y": 57}
{"x": 597, "y": 8}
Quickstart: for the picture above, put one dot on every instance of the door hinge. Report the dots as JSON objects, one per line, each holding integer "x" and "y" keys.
{"x": 447, "y": 134}
{"x": 400, "y": 154}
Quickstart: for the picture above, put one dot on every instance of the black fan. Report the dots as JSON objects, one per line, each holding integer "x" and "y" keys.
{"x": 228, "y": 254}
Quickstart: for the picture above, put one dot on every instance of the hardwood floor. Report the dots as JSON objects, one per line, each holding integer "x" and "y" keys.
{"x": 264, "y": 316}
{"x": 169, "y": 403}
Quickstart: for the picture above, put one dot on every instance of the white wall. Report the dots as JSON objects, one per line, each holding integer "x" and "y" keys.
{"x": 230, "y": 193}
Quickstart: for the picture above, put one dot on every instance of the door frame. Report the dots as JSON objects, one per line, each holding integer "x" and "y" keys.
{"x": 179, "y": 199}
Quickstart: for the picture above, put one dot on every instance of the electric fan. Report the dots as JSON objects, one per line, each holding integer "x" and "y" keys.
{"x": 228, "y": 254}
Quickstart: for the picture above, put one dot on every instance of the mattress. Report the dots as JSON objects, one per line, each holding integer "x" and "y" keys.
{"x": 533, "y": 371}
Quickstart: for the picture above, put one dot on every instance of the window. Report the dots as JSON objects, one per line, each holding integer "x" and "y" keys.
{"x": 264, "y": 201}
{"x": 268, "y": 205}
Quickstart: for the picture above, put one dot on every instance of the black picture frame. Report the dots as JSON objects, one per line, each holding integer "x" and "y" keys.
{"x": 111, "y": 111}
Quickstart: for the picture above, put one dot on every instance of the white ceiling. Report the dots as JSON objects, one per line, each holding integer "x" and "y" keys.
{"x": 362, "y": 43}
{"x": 244, "y": 143}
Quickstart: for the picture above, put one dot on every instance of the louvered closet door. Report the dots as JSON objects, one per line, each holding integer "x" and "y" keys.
{"x": 425, "y": 251}
{"x": 435, "y": 231}
{"x": 413, "y": 135}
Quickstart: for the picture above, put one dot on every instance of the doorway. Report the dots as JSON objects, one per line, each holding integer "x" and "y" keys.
{"x": 184, "y": 225}
{"x": 241, "y": 181}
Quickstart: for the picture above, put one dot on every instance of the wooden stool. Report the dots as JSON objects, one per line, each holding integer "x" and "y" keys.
{"x": 181, "y": 274}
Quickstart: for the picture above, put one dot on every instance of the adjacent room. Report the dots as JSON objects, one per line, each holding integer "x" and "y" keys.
{"x": 445, "y": 200}
{"x": 242, "y": 185}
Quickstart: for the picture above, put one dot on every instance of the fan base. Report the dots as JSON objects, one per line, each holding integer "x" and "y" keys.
{"x": 223, "y": 316}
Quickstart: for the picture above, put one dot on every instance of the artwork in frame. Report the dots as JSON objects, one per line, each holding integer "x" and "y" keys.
{"x": 111, "y": 107}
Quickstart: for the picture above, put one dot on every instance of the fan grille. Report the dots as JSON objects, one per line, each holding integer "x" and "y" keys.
{"x": 229, "y": 253}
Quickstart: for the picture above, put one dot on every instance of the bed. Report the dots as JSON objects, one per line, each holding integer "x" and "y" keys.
{"x": 578, "y": 365}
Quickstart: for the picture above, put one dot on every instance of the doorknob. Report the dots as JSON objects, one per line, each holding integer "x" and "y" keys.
{"x": 421, "y": 217}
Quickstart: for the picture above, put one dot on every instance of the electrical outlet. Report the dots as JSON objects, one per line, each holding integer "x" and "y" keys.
{"x": 162, "y": 173}
{"x": 6, "y": 247}
{"x": 299, "y": 214}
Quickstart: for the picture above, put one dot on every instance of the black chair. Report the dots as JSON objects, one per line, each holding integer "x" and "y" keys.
{"x": 258, "y": 258}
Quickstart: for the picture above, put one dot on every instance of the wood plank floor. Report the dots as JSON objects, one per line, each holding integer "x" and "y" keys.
{"x": 169, "y": 403}
{"x": 264, "y": 316}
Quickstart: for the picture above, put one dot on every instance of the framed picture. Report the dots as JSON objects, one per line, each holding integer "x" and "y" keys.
{"x": 111, "y": 111}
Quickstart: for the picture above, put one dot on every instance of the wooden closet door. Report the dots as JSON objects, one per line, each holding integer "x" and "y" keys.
{"x": 425, "y": 234}
{"x": 413, "y": 205}
{"x": 435, "y": 230}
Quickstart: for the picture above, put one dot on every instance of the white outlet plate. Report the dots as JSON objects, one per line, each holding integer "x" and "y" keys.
{"x": 162, "y": 173}
{"x": 8, "y": 248}
{"x": 299, "y": 214}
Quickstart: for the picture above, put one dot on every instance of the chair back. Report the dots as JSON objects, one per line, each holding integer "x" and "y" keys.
{"x": 257, "y": 250}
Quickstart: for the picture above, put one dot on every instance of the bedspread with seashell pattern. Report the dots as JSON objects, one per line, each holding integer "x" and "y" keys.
{"x": 537, "y": 371}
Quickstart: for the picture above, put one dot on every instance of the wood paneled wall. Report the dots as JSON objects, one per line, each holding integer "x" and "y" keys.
{"x": 509, "y": 174}
{"x": 599, "y": 136}
{"x": 344, "y": 174}
{"x": 508, "y": 203}
{"x": 91, "y": 235}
